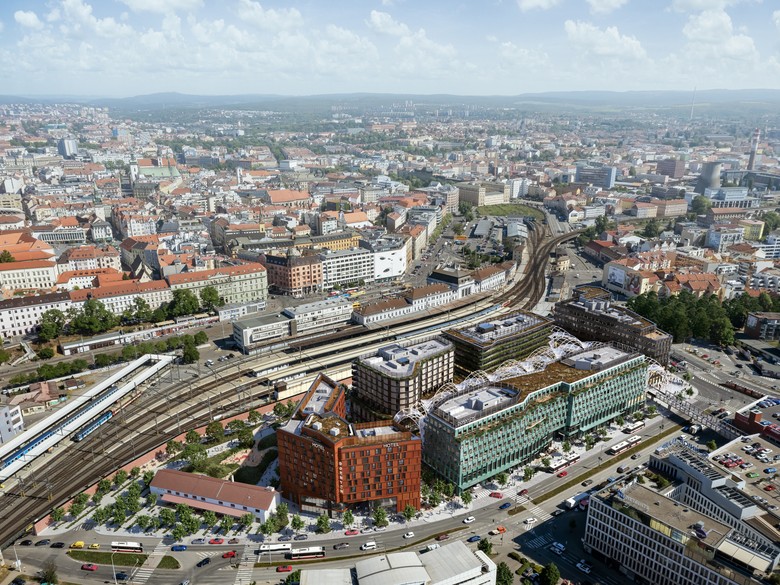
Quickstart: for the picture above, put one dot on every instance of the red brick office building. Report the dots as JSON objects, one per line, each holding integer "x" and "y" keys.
{"x": 327, "y": 464}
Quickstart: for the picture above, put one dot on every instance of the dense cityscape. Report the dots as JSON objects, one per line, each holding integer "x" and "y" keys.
{"x": 261, "y": 327}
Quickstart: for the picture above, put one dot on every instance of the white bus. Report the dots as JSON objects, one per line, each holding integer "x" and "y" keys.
{"x": 277, "y": 547}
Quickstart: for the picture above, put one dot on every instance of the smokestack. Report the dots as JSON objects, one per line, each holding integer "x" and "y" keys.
{"x": 753, "y": 149}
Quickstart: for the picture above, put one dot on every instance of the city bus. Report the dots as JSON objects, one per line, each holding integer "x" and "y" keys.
{"x": 312, "y": 552}
{"x": 276, "y": 547}
{"x": 624, "y": 446}
{"x": 127, "y": 547}
{"x": 634, "y": 427}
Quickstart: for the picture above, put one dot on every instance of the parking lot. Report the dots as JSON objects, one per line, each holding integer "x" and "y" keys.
{"x": 755, "y": 461}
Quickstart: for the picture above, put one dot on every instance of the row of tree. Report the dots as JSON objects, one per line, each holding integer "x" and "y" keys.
{"x": 685, "y": 316}
{"x": 94, "y": 317}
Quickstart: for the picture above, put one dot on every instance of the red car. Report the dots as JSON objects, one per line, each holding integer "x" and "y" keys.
{"x": 89, "y": 567}
{"x": 229, "y": 554}
{"x": 498, "y": 495}
{"x": 563, "y": 473}
{"x": 770, "y": 488}
{"x": 216, "y": 541}
{"x": 352, "y": 532}
{"x": 443, "y": 537}
{"x": 284, "y": 569}
{"x": 523, "y": 493}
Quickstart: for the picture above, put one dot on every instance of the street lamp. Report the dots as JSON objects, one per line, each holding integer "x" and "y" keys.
{"x": 113, "y": 570}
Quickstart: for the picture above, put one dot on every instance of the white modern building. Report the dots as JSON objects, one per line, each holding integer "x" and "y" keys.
{"x": 325, "y": 315}
{"x": 347, "y": 267}
{"x": 11, "y": 422}
{"x": 28, "y": 275}
{"x": 22, "y": 315}
{"x": 451, "y": 564}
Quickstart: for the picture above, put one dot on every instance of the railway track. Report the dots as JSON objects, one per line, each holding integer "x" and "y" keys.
{"x": 82, "y": 464}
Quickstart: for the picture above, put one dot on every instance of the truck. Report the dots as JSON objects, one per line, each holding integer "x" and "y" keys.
{"x": 693, "y": 429}
{"x": 572, "y": 502}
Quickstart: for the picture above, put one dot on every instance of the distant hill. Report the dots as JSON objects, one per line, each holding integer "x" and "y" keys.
{"x": 581, "y": 99}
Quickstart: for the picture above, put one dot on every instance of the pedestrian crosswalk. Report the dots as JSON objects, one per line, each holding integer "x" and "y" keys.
{"x": 244, "y": 573}
{"x": 145, "y": 571}
{"x": 533, "y": 509}
{"x": 539, "y": 541}
{"x": 204, "y": 554}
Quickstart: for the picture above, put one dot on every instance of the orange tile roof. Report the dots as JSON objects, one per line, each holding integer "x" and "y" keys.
{"x": 26, "y": 265}
{"x": 185, "y": 277}
{"x": 126, "y": 287}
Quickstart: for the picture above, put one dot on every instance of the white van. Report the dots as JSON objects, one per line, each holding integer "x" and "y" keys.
{"x": 432, "y": 546}
{"x": 370, "y": 545}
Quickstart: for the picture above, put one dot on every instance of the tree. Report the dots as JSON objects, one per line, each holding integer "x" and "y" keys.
{"x": 528, "y": 473}
{"x": 141, "y": 310}
{"x": 546, "y": 461}
{"x": 190, "y": 354}
{"x": 49, "y": 573}
{"x": 502, "y": 478}
{"x": 504, "y": 574}
{"x": 135, "y": 472}
{"x": 58, "y": 514}
{"x": 280, "y": 410}
{"x": 712, "y": 445}
{"x": 200, "y": 338}
{"x": 93, "y": 318}
{"x": 167, "y": 517}
{"x": 347, "y": 518}
{"x": 246, "y": 520}
{"x": 6, "y": 256}
{"x": 566, "y": 446}
{"x": 178, "y": 532}
{"x": 485, "y": 546}
{"x": 120, "y": 477}
{"x": 245, "y": 437}
{"x": 226, "y": 523}
{"x": 45, "y": 353}
{"x": 215, "y": 431}
{"x": 184, "y": 303}
{"x": 97, "y": 497}
{"x": 282, "y": 515}
{"x": 772, "y": 221}
{"x": 173, "y": 447}
{"x": 104, "y": 486}
{"x": 100, "y": 515}
{"x": 620, "y": 421}
{"x": 323, "y": 524}
{"x": 254, "y": 417}
{"x": 409, "y": 512}
{"x": 701, "y": 205}
{"x": 192, "y": 436}
{"x": 380, "y": 516}
{"x": 297, "y": 522}
{"x": 209, "y": 298}
{"x": 196, "y": 454}
{"x": 550, "y": 575}
{"x": 466, "y": 497}
{"x": 651, "y": 229}
{"x": 148, "y": 477}
{"x": 52, "y": 323}
{"x": 209, "y": 518}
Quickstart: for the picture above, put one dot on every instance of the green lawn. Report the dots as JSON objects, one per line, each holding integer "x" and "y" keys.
{"x": 169, "y": 562}
{"x": 510, "y": 209}
{"x": 104, "y": 558}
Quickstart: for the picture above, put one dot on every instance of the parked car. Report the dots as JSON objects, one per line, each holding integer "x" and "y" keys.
{"x": 94, "y": 546}
{"x": 57, "y": 545}
{"x": 26, "y": 543}
{"x": 443, "y": 537}
{"x": 43, "y": 542}
{"x": 301, "y": 537}
{"x": 89, "y": 567}
{"x": 199, "y": 541}
{"x": 233, "y": 541}
{"x": 217, "y": 541}
{"x": 557, "y": 512}
{"x": 351, "y": 532}
{"x": 770, "y": 470}
{"x": 285, "y": 538}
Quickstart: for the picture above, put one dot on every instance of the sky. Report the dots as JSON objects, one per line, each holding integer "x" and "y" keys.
{"x": 121, "y": 48}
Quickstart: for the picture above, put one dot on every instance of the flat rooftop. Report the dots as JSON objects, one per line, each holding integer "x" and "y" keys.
{"x": 318, "y": 306}
{"x": 316, "y": 400}
{"x": 471, "y": 404}
{"x": 397, "y": 361}
{"x": 488, "y": 332}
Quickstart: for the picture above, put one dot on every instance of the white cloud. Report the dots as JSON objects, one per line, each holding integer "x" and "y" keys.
{"x": 776, "y": 18}
{"x": 163, "y": 6}
{"x": 268, "y": 18}
{"x": 53, "y": 15}
{"x": 383, "y": 23}
{"x": 605, "y": 6}
{"x": 605, "y": 43}
{"x": 388, "y": 3}
{"x": 526, "y": 5}
{"x": 700, "y": 5}
{"x": 79, "y": 21}
{"x": 28, "y": 19}
{"x": 711, "y": 36}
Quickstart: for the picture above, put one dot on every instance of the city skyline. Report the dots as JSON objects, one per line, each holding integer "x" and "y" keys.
{"x": 132, "y": 47}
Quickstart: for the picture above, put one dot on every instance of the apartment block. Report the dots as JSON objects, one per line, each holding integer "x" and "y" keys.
{"x": 11, "y": 422}
{"x": 589, "y": 315}
{"x": 480, "y": 430}
{"x": 89, "y": 258}
{"x": 120, "y": 297}
{"x": 763, "y": 325}
{"x": 241, "y": 283}
{"x": 325, "y": 315}
{"x": 327, "y": 464}
{"x": 22, "y": 315}
{"x": 346, "y": 267}
{"x": 398, "y": 376}
{"x": 488, "y": 344}
{"x": 28, "y": 275}
{"x": 671, "y": 167}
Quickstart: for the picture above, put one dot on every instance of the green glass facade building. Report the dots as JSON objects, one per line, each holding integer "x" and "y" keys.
{"x": 484, "y": 430}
